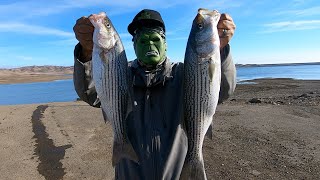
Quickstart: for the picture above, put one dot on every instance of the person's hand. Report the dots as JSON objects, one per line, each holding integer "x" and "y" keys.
{"x": 226, "y": 28}
{"x": 83, "y": 30}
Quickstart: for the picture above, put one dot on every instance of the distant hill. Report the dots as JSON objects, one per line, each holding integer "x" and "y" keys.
{"x": 282, "y": 64}
{"x": 41, "y": 70}
{"x": 30, "y": 74}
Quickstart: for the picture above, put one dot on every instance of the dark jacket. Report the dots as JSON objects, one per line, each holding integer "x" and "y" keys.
{"x": 156, "y": 129}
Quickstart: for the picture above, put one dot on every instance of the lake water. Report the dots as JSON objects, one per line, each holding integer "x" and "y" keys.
{"x": 41, "y": 92}
{"x": 305, "y": 72}
{"x": 63, "y": 90}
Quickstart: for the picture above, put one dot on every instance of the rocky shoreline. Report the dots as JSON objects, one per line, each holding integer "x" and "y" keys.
{"x": 279, "y": 91}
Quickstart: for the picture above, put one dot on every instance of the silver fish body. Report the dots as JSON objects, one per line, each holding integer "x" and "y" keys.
{"x": 110, "y": 75}
{"x": 202, "y": 78}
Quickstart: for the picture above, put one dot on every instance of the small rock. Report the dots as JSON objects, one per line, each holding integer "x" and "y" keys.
{"x": 280, "y": 102}
{"x": 255, "y": 172}
{"x": 255, "y": 100}
{"x": 304, "y": 95}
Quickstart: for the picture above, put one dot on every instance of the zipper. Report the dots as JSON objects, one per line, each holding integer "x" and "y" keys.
{"x": 151, "y": 133}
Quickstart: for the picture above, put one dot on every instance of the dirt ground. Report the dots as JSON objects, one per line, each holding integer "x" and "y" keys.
{"x": 269, "y": 129}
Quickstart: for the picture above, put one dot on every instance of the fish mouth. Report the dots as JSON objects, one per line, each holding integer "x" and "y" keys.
{"x": 207, "y": 15}
{"x": 152, "y": 53}
{"x": 203, "y": 12}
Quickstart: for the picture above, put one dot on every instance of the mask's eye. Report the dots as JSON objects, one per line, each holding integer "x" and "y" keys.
{"x": 142, "y": 41}
{"x": 155, "y": 39}
{"x": 108, "y": 25}
{"x": 200, "y": 26}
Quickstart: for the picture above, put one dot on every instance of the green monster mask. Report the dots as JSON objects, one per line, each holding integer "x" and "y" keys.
{"x": 150, "y": 46}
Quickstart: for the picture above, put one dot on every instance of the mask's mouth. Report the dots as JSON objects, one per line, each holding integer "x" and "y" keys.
{"x": 152, "y": 53}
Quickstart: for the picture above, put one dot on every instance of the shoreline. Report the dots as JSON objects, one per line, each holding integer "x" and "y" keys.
{"x": 32, "y": 78}
{"x": 282, "y": 90}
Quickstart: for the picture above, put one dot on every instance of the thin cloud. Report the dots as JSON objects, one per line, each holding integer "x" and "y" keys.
{"x": 32, "y": 8}
{"x": 33, "y": 29}
{"x": 184, "y": 22}
{"x": 301, "y": 12}
{"x": 24, "y": 58}
{"x": 159, "y": 4}
{"x": 221, "y": 5}
{"x": 291, "y": 26}
{"x": 65, "y": 42}
{"x": 299, "y": 2}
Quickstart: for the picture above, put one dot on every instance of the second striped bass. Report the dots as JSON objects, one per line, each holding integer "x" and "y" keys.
{"x": 202, "y": 78}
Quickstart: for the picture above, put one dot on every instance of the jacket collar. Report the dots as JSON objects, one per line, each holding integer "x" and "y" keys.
{"x": 149, "y": 77}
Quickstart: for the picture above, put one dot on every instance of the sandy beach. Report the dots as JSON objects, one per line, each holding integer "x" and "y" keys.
{"x": 269, "y": 129}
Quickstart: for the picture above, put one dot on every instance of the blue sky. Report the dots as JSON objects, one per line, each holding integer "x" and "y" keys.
{"x": 34, "y": 32}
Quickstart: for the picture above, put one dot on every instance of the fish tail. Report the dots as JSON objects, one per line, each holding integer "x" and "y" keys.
{"x": 209, "y": 133}
{"x": 123, "y": 151}
{"x": 193, "y": 170}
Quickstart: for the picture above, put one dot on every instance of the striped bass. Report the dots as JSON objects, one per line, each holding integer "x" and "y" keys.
{"x": 202, "y": 76}
{"x": 110, "y": 75}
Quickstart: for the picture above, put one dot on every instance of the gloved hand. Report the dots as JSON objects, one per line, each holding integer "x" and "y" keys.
{"x": 83, "y": 30}
{"x": 226, "y": 28}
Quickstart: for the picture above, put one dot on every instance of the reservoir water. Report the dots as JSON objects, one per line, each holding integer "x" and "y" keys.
{"x": 63, "y": 90}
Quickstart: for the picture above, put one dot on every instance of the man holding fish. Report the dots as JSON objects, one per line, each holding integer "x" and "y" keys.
{"x": 160, "y": 111}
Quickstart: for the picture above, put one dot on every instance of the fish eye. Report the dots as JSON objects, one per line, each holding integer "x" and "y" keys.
{"x": 200, "y": 26}
{"x": 108, "y": 25}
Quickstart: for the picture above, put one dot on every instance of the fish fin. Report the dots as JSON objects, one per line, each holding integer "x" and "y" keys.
{"x": 193, "y": 170}
{"x": 209, "y": 132}
{"x": 103, "y": 56}
{"x": 211, "y": 71}
{"x": 123, "y": 151}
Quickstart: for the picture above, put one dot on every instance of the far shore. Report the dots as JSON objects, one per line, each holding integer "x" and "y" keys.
{"x": 16, "y": 78}
{"x": 30, "y": 74}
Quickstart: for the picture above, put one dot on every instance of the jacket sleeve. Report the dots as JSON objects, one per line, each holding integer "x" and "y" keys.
{"x": 228, "y": 75}
{"x": 82, "y": 79}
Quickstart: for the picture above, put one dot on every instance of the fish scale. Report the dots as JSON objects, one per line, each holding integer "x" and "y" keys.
{"x": 202, "y": 76}
{"x": 110, "y": 75}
